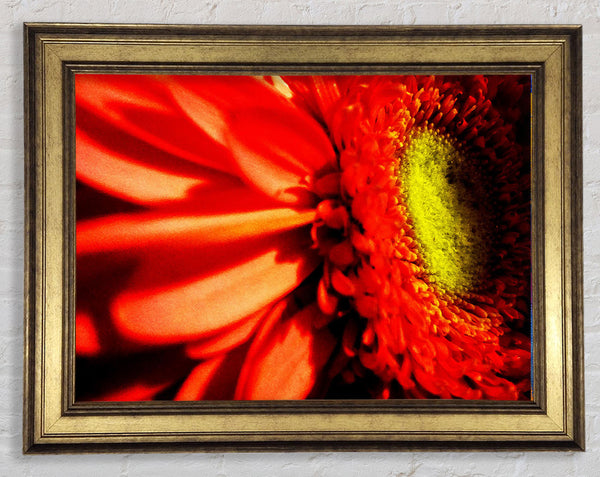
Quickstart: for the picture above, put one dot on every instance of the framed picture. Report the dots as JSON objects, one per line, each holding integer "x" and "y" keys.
{"x": 293, "y": 238}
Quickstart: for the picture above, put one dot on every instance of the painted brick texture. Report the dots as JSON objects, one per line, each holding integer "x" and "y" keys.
{"x": 310, "y": 12}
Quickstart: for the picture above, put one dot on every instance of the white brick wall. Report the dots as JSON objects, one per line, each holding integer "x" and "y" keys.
{"x": 14, "y": 12}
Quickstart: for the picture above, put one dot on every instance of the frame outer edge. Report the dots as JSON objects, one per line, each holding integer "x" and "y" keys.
{"x": 34, "y": 35}
{"x": 29, "y": 302}
{"x": 577, "y": 236}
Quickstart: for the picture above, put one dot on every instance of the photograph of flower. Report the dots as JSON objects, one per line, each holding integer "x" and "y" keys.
{"x": 303, "y": 237}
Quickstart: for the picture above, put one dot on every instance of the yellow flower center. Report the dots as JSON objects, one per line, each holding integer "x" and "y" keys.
{"x": 447, "y": 202}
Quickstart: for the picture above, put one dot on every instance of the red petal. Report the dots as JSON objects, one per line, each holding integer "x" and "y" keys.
{"x": 277, "y": 145}
{"x": 182, "y": 294}
{"x": 279, "y": 152}
{"x": 327, "y": 301}
{"x": 115, "y": 172}
{"x": 87, "y": 335}
{"x": 135, "y": 391}
{"x": 341, "y": 283}
{"x": 227, "y": 338}
{"x": 143, "y": 230}
{"x": 142, "y": 107}
{"x": 316, "y": 93}
{"x": 210, "y": 100}
{"x": 95, "y": 334}
{"x": 198, "y": 380}
{"x": 214, "y": 379}
{"x": 286, "y": 357}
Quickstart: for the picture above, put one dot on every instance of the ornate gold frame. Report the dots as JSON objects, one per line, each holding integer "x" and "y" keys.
{"x": 53, "y": 422}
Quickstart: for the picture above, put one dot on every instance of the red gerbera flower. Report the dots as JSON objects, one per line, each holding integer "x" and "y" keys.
{"x": 250, "y": 238}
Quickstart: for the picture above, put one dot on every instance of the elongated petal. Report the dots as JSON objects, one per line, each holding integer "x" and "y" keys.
{"x": 213, "y": 379}
{"x": 285, "y": 358}
{"x": 226, "y": 338}
{"x": 95, "y": 336}
{"x": 172, "y": 298}
{"x": 210, "y": 100}
{"x": 195, "y": 385}
{"x": 280, "y": 151}
{"x": 142, "y": 107}
{"x": 115, "y": 173}
{"x": 277, "y": 145}
{"x": 137, "y": 231}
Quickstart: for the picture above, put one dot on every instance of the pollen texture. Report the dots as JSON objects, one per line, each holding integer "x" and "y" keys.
{"x": 446, "y": 200}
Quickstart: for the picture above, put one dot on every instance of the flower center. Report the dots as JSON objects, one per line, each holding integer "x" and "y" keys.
{"x": 447, "y": 202}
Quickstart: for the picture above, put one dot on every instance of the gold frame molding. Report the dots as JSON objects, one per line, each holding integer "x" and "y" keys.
{"x": 54, "y": 422}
